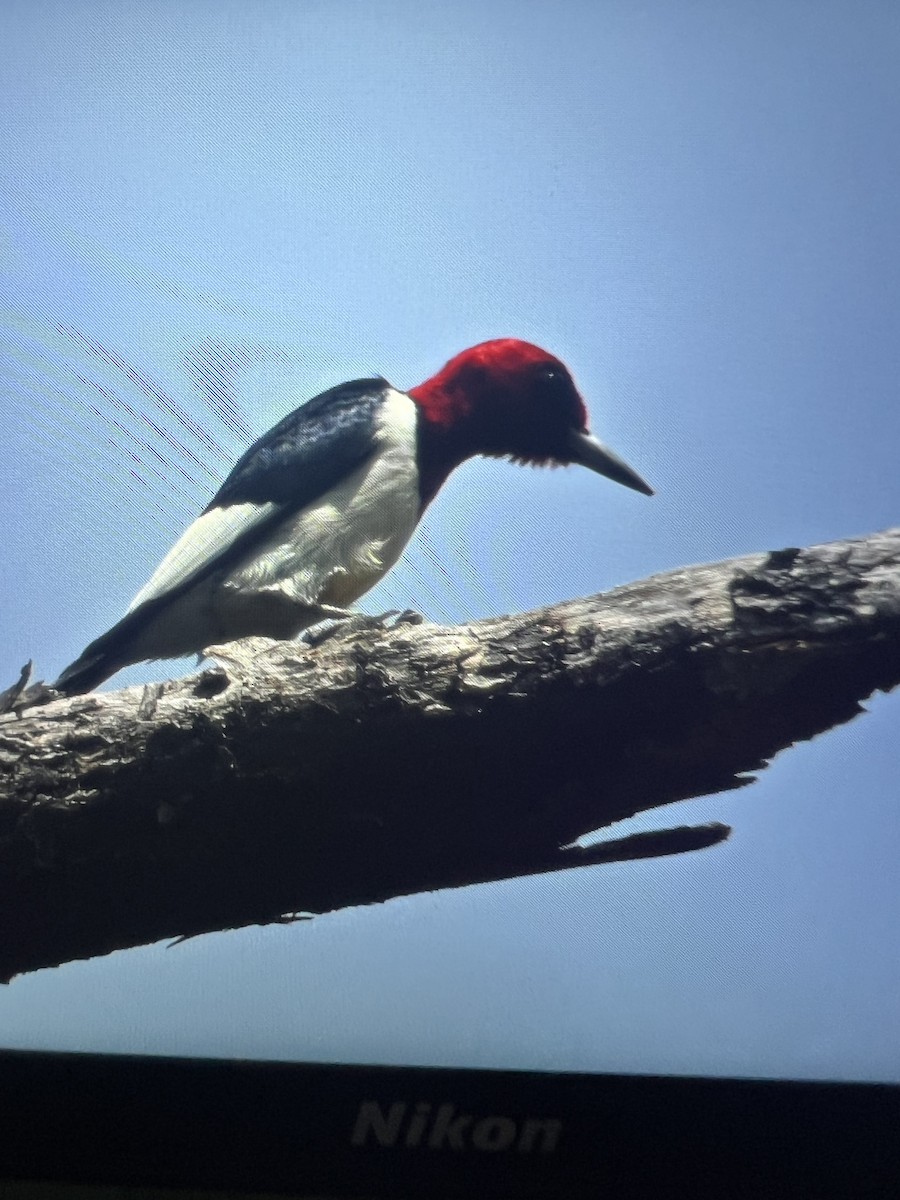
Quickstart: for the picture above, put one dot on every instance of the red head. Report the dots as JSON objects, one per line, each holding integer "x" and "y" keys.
{"x": 507, "y": 398}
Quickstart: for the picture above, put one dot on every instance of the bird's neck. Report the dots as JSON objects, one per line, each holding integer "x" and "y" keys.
{"x": 448, "y": 430}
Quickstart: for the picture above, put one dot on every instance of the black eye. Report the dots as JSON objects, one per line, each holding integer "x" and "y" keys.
{"x": 552, "y": 377}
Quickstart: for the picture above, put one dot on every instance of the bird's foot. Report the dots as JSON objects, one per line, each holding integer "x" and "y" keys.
{"x": 406, "y": 616}
{"x": 357, "y": 622}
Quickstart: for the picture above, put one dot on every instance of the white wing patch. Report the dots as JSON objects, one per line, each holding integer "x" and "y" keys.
{"x": 208, "y": 536}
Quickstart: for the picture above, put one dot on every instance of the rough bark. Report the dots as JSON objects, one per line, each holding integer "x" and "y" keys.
{"x": 387, "y": 762}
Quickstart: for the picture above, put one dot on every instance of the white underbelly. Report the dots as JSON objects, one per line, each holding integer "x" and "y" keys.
{"x": 333, "y": 552}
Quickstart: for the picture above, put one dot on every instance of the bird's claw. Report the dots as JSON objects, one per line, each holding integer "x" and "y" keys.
{"x": 356, "y": 622}
{"x": 409, "y": 616}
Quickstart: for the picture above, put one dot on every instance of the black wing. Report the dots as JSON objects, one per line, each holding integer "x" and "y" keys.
{"x": 309, "y": 451}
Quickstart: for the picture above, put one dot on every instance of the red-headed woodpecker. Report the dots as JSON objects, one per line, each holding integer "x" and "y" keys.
{"x": 318, "y": 509}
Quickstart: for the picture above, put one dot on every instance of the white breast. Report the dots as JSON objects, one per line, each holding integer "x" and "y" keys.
{"x": 339, "y": 547}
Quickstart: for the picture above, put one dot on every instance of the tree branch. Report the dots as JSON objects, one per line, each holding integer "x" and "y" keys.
{"x": 386, "y": 762}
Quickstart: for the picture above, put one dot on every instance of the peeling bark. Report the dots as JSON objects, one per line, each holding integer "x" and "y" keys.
{"x": 387, "y": 762}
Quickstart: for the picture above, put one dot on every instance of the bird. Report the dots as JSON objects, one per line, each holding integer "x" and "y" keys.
{"x": 318, "y": 509}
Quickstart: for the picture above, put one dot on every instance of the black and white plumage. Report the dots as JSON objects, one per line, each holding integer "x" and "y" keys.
{"x": 322, "y": 506}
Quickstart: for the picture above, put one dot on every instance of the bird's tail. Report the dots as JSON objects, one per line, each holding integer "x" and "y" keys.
{"x": 107, "y": 654}
{"x": 88, "y": 671}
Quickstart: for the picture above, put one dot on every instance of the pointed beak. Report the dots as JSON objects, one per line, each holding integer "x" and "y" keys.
{"x": 585, "y": 450}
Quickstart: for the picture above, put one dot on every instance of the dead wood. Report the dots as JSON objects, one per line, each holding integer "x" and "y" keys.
{"x": 389, "y": 762}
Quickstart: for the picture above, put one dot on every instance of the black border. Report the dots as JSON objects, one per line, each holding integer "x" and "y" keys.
{"x": 283, "y": 1127}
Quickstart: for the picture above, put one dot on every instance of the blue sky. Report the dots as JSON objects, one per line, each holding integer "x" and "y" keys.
{"x": 696, "y": 207}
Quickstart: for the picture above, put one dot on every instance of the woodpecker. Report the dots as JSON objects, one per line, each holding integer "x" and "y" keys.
{"x": 322, "y": 506}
